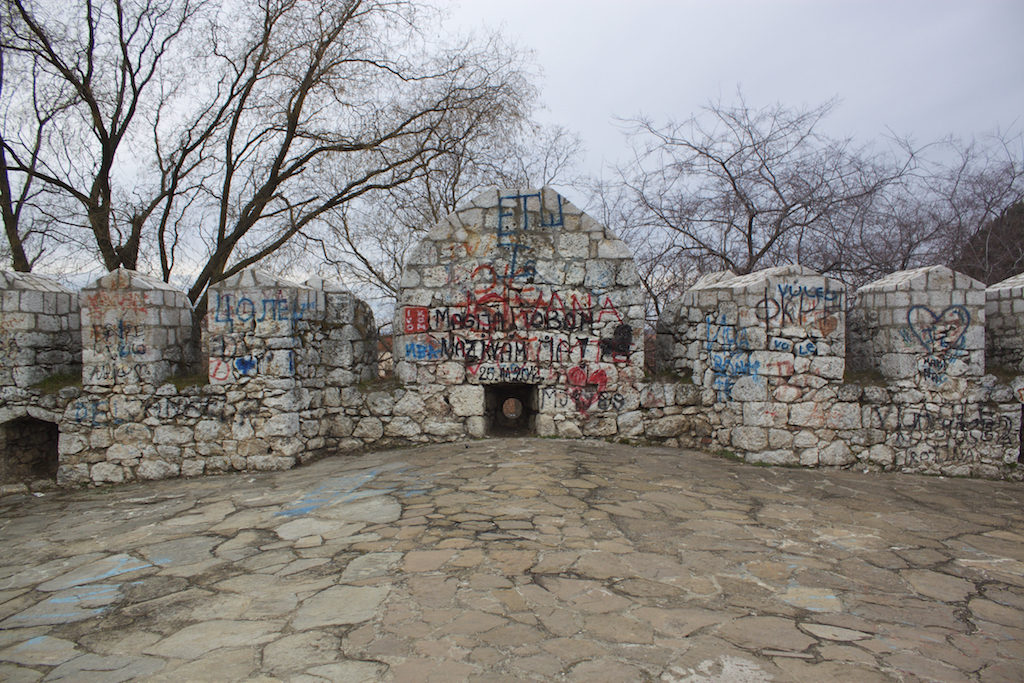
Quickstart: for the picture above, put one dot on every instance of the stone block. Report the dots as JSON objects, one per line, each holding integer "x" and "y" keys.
{"x": 467, "y": 400}
{"x": 106, "y": 472}
{"x": 402, "y": 426}
{"x": 286, "y": 424}
{"x": 670, "y": 426}
{"x": 780, "y": 456}
{"x": 568, "y": 430}
{"x": 749, "y": 438}
{"x": 171, "y": 434}
{"x": 836, "y": 454}
{"x": 409, "y": 404}
{"x": 369, "y": 429}
{"x": 156, "y": 469}
{"x": 631, "y": 424}
{"x": 476, "y": 427}
{"x": 807, "y": 414}
{"x": 380, "y": 403}
{"x": 600, "y": 426}
{"x": 843, "y": 416}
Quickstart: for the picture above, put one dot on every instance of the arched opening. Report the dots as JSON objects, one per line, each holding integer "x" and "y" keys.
{"x": 511, "y": 409}
{"x": 29, "y": 448}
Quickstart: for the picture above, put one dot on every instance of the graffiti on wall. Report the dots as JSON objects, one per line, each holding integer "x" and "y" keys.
{"x": 119, "y": 344}
{"x": 728, "y": 348}
{"x": 232, "y": 358}
{"x": 113, "y": 411}
{"x": 966, "y": 434}
{"x": 518, "y": 325}
{"x": 123, "y": 301}
{"x": 247, "y": 311}
{"x": 941, "y": 335}
{"x": 814, "y": 308}
{"x": 514, "y": 212}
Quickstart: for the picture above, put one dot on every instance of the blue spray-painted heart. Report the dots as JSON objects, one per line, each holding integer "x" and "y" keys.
{"x": 939, "y": 332}
{"x": 245, "y": 365}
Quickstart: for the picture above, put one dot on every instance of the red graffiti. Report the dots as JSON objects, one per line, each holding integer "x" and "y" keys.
{"x": 585, "y": 388}
{"x": 417, "y": 319}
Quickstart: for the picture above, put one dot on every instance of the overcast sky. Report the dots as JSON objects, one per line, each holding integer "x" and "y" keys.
{"x": 924, "y": 68}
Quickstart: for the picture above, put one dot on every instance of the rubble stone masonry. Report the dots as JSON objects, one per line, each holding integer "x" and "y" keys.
{"x": 516, "y": 314}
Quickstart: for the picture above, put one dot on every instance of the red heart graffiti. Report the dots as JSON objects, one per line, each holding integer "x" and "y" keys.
{"x": 585, "y": 388}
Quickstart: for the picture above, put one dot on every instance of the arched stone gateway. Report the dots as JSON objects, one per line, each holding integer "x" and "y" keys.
{"x": 521, "y": 299}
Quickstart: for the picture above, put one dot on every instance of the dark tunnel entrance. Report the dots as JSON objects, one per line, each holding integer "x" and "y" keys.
{"x": 510, "y": 409}
{"x": 29, "y": 449}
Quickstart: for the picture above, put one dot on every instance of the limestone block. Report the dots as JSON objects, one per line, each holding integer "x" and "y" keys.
{"x": 156, "y": 469}
{"x": 402, "y": 426}
{"x": 780, "y": 438}
{"x": 106, "y": 472}
{"x": 444, "y": 428}
{"x": 476, "y": 427}
{"x": 380, "y": 403}
{"x": 409, "y": 404}
{"x": 68, "y": 474}
{"x": 669, "y": 426}
{"x": 545, "y": 426}
{"x": 631, "y": 424}
{"x": 776, "y": 457}
{"x": 843, "y": 416}
{"x": 600, "y": 426}
{"x": 807, "y": 414}
{"x": 749, "y": 438}
{"x": 286, "y": 424}
{"x": 882, "y": 455}
{"x": 836, "y": 454}
{"x": 70, "y": 444}
{"x": 750, "y": 388}
{"x": 568, "y": 430}
{"x": 170, "y": 434}
{"x": 267, "y": 463}
{"x": 369, "y": 428}
{"x": 467, "y": 400}
{"x": 120, "y": 452}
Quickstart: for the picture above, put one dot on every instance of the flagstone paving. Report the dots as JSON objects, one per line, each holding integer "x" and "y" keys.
{"x": 513, "y": 560}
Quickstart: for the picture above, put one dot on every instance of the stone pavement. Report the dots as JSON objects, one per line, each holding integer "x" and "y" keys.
{"x": 517, "y": 559}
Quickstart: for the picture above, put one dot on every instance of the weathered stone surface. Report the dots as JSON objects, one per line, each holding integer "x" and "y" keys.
{"x": 516, "y": 557}
{"x": 339, "y": 605}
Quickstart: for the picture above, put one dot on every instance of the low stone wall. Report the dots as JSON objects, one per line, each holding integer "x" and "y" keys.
{"x": 767, "y": 351}
{"x": 777, "y": 366}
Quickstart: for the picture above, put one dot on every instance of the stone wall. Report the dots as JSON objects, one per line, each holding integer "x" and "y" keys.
{"x": 280, "y": 357}
{"x": 39, "y": 330}
{"x": 521, "y": 295}
{"x": 517, "y": 314}
{"x": 1004, "y": 325}
{"x": 767, "y": 351}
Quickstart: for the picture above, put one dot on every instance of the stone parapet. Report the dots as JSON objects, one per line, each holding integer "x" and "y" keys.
{"x": 1004, "y": 325}
{"x": 40, "y": 329}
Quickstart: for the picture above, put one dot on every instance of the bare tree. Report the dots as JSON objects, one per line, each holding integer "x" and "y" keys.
{"x": 106, "y": 57}
{"x": 370, "y": 243}
{"x": 201, "y": 140}
{"x": 740, "y": 188}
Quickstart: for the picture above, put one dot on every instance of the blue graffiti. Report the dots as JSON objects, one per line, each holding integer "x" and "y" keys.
{"x": 514, "y": 219}
{"x": 246, "y": 365}
{"x": 942, "y": 336}
{"x": 804, "y": 348}
{"x": 729, "y": 352}
{"x": 345, "y": 489}
{"x": 230, "y": 309}
{"x": 422, "y": 351}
